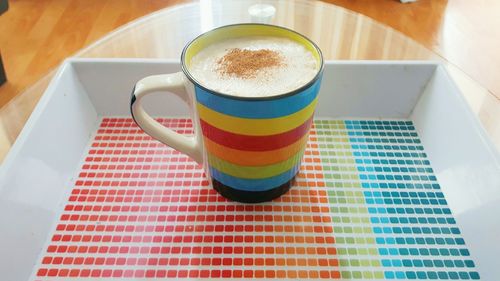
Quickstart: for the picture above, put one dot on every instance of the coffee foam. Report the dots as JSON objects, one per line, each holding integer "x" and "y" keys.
{"x": 297, "y": 68}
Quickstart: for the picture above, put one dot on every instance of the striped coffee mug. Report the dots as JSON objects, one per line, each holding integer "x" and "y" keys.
{"x": 251, "y": 147}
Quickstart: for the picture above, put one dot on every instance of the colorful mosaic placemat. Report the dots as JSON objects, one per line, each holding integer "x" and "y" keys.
{"x": 366, "y": 205}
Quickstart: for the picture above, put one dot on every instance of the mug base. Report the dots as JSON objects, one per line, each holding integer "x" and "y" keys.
{"x": 244, "y": 196}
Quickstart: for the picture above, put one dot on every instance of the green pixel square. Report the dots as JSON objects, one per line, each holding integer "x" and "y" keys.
{"x": 354, "y": 210}
{"x": 360, "y": 240}
{"x": 346, "y": 274}
{"x": 367, "y": 275}
{"x": 363, "y": 251}
{"x": 347, "y": 229}
{"x": 343, "y": 262}
{"x": 354, "y": 262}
{"x": 349, "y": 240}
{"x": 342, "y": 251}
{"x": 357, "y": 229}
{"x": 365, "y": 262}
{"x": 357, "y": 274}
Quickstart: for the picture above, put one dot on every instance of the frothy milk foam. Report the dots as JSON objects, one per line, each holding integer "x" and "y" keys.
{"x": 296, "y": 66}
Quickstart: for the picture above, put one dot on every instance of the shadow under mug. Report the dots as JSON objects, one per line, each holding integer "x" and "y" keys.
{"x": 251, "y": 147}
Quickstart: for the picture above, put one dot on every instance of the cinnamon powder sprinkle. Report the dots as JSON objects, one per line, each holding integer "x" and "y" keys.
{"x": 247, "y": 63}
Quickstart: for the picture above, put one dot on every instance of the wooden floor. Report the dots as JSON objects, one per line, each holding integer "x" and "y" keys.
{"x": 36, "y": 35}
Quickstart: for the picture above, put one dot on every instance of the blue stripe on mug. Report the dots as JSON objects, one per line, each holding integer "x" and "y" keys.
{"x": 254, "y": 184}
{"x": 258, "y": 109}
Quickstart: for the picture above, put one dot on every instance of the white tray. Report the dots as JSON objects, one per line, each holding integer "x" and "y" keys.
{"x": 52, "y": 170}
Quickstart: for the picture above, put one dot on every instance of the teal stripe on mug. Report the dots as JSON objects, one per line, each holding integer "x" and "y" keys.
{"x": 254, "y": 184}
{"x": 258, "y": 109}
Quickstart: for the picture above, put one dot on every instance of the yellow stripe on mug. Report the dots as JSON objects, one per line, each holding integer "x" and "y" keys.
{"x": 256, "y": 127}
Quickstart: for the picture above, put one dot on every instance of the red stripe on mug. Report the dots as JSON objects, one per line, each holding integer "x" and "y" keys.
{"x": 254, "y": 143}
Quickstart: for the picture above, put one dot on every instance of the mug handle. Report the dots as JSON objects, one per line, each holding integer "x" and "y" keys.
{"x": 174, "y": 83}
